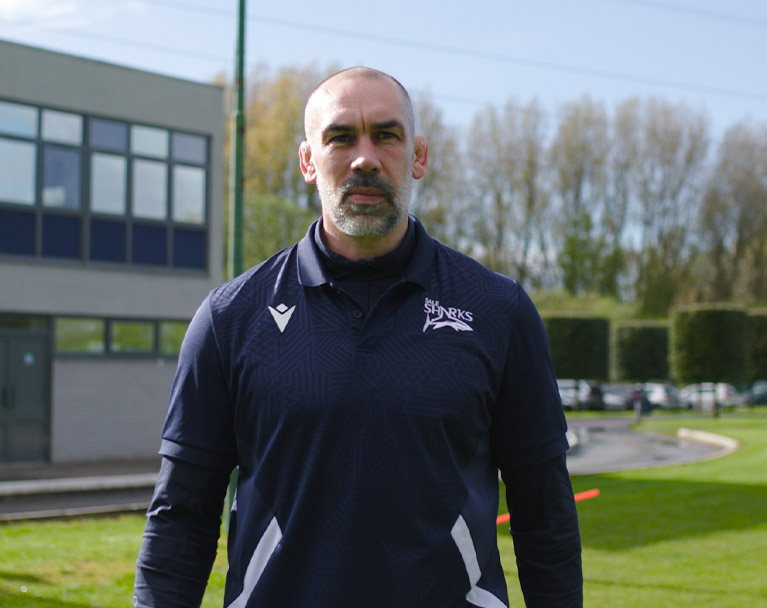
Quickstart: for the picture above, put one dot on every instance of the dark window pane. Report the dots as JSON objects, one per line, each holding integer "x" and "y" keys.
{"x": 17, "y": 232}
{"x": 61, "y": 178}
{"x": 149, "y": 245}
{"x": 108, "y": 135}
{"x": 61, "y": 236}
{"x": 189, "y": 148}
{"x": 107, "y": 241}
{"x": 189, "y": 248}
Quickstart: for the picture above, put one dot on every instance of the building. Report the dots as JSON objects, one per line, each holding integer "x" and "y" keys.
{"x": 110, "y": 236}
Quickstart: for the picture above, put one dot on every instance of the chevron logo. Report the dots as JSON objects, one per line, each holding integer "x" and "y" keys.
{"x": 281, "y": 315}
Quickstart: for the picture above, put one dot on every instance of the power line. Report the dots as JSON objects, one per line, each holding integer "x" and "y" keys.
{"x": 697, "y": 12}
{"x": 499, "y": 58}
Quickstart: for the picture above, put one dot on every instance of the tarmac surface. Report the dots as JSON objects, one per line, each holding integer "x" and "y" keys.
{"x": 37, "y": 491}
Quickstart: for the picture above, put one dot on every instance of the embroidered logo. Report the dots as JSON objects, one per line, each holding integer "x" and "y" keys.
{"x": 438, "y": 316}
{"x": 281, "y": 315}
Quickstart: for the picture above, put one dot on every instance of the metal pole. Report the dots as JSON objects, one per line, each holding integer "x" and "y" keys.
{"x": 237, "y": 152}
{"x": 236, "y": 190}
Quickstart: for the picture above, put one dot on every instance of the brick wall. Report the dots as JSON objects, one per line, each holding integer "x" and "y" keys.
{"x": 109, "y": 408}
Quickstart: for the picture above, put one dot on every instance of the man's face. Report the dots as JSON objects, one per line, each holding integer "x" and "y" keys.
{"x": 361, "y": 154}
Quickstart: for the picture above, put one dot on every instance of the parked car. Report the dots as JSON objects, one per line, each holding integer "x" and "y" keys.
{"x": 664, "y": 396}
{"x": 703, "y": 395}
{"x": 581, "y": 395}
{"x": 758, "y": 393}
{"x": 618, "y": 396}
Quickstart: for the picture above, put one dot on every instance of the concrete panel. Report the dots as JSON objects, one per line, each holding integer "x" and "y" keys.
{"x": 108, "y": 409}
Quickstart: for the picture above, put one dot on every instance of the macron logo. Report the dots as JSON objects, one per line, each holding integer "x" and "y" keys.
{"x": 438, "y": 316}
{"x": 281, "y": 315}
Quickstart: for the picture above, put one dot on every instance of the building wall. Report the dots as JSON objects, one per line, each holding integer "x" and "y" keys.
{"x": 36, "y": 76}
{"x": 105, "y": 405}
{"x": 106, "y": 409}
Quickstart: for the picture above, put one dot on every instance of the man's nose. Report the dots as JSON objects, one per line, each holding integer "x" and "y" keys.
{"x": 366, "y": 158}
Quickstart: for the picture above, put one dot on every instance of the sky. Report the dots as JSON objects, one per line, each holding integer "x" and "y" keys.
{"x": 466, "y": 56}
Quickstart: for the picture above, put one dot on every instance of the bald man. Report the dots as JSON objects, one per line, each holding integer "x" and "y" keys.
{"x": 368, "y": 383}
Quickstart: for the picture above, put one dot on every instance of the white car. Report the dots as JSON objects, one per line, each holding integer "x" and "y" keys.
{"x": 663, "y": 396}
{"x": 703, "y": 395}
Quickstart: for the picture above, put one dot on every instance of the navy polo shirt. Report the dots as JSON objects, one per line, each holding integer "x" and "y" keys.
{"x": 368, "y": 444}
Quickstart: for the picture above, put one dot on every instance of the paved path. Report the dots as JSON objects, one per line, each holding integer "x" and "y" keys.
{"x": 608, "y": 444}
{"x": 38, "y": 491}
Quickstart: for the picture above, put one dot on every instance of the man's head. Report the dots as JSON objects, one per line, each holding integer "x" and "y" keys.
{"x": 362, "y": 152}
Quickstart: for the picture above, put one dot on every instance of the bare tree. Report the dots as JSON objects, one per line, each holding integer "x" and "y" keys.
{"x": 579, "y": 155}
{"x": 668, "y": 175}
{"x": 733, "y": 218}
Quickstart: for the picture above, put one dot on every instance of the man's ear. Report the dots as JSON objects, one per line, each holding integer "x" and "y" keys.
{"x": 421, "y": 159}
{"x": 307, "y": 165}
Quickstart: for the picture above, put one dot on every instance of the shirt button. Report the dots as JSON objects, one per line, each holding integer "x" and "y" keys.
{"x": 357, "y": 314}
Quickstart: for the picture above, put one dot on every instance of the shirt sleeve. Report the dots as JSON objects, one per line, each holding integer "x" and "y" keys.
{"x": 544, "y": 525}
{"x": 529, "y": 424}
{"x": 180, "y": 537}
{"x": 199, "y": 427}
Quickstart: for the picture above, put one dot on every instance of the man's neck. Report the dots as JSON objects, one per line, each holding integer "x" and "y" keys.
{"x": 357, "y": 248}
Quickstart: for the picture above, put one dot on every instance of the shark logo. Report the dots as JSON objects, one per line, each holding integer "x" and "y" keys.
{"x": 281, "y": 315}
{"x": 438, "y": 316}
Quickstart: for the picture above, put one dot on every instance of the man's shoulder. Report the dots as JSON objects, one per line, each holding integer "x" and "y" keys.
{"x": 456, "y": 264}
{"x": 246, "y": 287}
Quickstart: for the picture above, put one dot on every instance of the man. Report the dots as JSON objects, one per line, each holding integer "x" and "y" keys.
{"x": 369, "y": 383}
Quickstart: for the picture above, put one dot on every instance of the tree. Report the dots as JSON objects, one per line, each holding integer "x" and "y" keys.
{"x": 579, "y": 157}
{"x": 439, "y": 199}
{"x": 733, "y": 217}
{"x": 668, "y": 176}
{"x": 271, "y": 223}
{"x": 506, "y": 164}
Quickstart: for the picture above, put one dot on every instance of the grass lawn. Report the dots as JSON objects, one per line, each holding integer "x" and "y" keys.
{"x": 683, "y": 536}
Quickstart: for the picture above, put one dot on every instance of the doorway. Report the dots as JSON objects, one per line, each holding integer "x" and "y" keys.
{"x": 24, "y": 396}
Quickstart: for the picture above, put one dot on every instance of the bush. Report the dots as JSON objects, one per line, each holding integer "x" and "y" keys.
{"x": 757, "y": 333}
{"x": 579, "y": 346}
{"x": 640, "y": 351}
{"x": 708, "y": 343}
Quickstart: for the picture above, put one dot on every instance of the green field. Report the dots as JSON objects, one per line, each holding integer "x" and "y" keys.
{"x": 684, "y": 536}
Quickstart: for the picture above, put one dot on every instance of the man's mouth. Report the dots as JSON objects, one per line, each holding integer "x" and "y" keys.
{"x": 366, "y": 196}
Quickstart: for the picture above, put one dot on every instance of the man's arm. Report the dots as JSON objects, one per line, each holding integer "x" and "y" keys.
{"x": 544, "y": 525}
{"x": 181, "y": 536}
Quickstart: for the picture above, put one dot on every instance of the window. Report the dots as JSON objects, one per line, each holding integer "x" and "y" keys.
{"x": 80, "y": 336}
{"x": 171, "y": 336}
{"x": 17, "y": 232}
{"x": 61, "y": 177}
{"x": 117, "y": 337}
{"x": 188, "y": 148}
{"x": 17, "y": 119}
{"x": 132, "y": 337}
{"x": 108, "y": 135}
{"x": 62, "y": 127}
{"x": 100, "y": 190}
{"x": 188, "y": 194}
{"x": 148, "y": 141}
{"x": 150, "y": 189}
{"x": 108, "y": 178}
{"x": 61, "y": 236}
{"x": 17, "y": 172}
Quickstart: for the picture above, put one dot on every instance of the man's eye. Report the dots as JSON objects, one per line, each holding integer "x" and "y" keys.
{"x": 386, "y": 135}
{"x": 343, "y": 138}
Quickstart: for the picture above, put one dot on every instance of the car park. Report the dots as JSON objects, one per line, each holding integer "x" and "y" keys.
{"x": 580, "y": 394}
{"x": 616, "y": 396}
{"x": 663, "y": 396}
{"x": 703, "y": 395}
{"x": 758, "y": 393}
